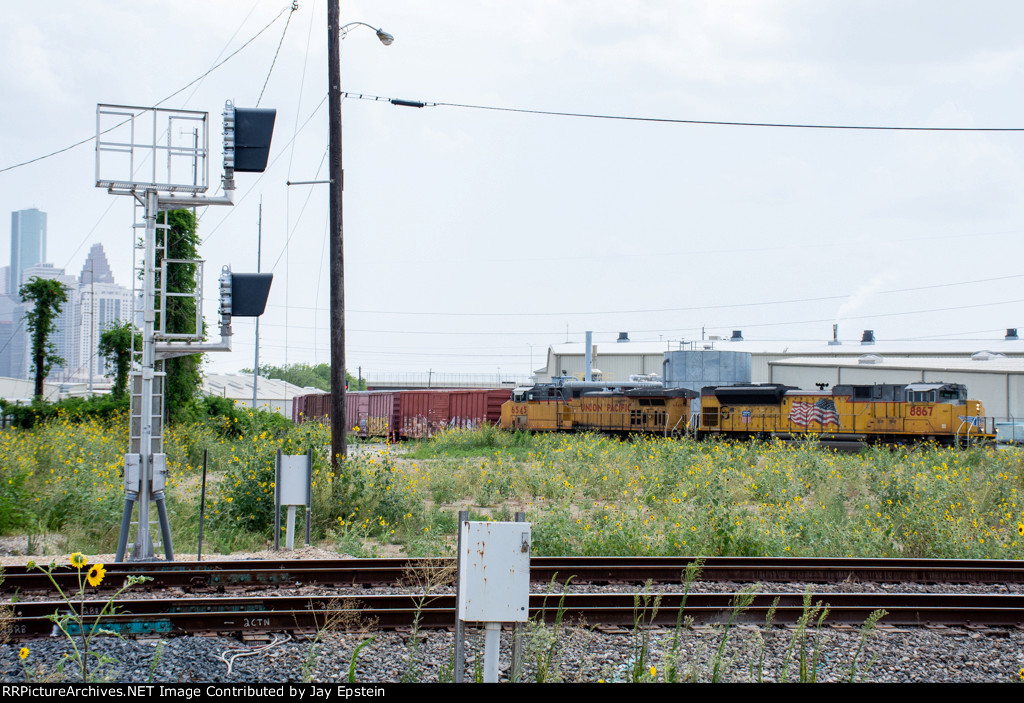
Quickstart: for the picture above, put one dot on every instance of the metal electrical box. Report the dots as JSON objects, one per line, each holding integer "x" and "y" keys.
{"x": 294, "y": 477}
{"x": 132, "y": 472}
{"x": 494, "y": 576}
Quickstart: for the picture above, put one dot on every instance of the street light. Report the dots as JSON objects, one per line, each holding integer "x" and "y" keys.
{"x": 335, "y": 33}
{"x": 385, "y": 38}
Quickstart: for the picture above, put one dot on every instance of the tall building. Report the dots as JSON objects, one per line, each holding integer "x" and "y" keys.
{"x": 13, "y": 355}
{"x": 28, "y": 245}
{"x": 103, "y": 304}
{"x": 66, "y": 337}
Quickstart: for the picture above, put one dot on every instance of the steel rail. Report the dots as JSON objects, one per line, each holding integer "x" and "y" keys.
{"x": 228, "y": 574}
{"x": 255, "y": 615}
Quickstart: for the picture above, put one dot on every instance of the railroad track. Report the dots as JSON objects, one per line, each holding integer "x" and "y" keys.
{"x": 220, "y": 576}
{"x": 279, "y": 609}
{"x": 261, "y": 615}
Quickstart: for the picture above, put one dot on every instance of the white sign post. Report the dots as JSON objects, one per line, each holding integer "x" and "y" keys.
{"x": 293, "y": 487}
{"x": 494, "y": 581}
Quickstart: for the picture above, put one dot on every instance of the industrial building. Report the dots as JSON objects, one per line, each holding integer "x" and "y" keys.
{"x": 272, "y": 394}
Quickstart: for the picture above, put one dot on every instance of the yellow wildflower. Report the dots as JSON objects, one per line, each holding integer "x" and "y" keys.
{"x": 96, "y": 574}
{"x": 78, "y": 560}
{"x": 23, "y": 652}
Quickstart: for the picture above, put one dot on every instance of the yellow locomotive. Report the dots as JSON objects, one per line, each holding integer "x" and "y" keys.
{"x": 889, "y": 413}
{"x": 591, "y": 406}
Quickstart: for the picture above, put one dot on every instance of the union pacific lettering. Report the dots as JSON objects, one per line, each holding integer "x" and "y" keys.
{"x": 596, "y": 406}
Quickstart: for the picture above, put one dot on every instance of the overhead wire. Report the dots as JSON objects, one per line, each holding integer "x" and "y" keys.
{"x": 672, "y": 120}
{"x": 273, "y": 62}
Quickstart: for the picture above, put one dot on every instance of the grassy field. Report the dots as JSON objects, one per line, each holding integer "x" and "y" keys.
{"x": 584, "y": 494}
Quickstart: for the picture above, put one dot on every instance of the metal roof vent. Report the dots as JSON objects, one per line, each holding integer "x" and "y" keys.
{"x": 868, "y": 337}
{"x": 737, "y": 336}
{"x": 870, "y": 359}
{"x": 1011, "y": 334}
{"x": 623, "y": 337}
{"x": 835, "y": 335}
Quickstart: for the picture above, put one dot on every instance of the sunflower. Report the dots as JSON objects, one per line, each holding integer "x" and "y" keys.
{"x": 23, "y": 652}
{"x": 1020, "y": 529}
{"x": 78, "y": 560}
{"x": 96, "y": 574}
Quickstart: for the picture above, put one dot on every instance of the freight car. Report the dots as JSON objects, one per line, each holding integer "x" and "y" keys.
{"x": 407, "y": 414}
{"x": 888, "y": 413}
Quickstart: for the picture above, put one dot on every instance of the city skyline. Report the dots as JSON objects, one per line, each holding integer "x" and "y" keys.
{"x": 94, "y": 302}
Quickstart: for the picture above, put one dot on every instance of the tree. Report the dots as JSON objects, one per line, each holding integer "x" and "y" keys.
{"x": 49, "y": 295}
{"x": 184, "y": 373}
{"x": 304, "y": 375}
{"x": 116, "y": 344}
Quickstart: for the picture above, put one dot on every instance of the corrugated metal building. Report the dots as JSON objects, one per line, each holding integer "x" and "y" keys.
{"x": 272, "y": 394}
{"x": 617, "y": 360}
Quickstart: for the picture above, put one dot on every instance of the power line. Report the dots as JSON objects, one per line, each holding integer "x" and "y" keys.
{"x": 669, "y": 120}
{"x": 273, "y": 62}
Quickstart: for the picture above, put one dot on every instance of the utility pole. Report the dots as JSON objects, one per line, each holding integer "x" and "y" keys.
{"x": 339, "y": 423}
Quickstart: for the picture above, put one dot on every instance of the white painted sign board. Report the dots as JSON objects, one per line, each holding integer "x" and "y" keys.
{"x": 294, "y": 479}
{"x": 494, "y": 581}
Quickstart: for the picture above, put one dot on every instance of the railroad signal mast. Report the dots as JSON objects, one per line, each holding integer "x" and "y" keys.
{"x": 160, "y": 157}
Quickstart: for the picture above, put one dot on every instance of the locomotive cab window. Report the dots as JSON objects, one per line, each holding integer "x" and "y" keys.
{"x": 921, "y": 396}
{"x": 953, "y": 394}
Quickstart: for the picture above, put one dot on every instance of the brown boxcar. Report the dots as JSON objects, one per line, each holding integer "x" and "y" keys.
{"x": 382, "y": 413}
{"x": 422, "y": 413}
{"x": 357, "y": 412}
{"x": 407, "y": 414}
{"x": 311, "y": 407}
{"x": 470, "y": 409}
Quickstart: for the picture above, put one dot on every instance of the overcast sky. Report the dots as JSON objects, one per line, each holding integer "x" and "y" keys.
{"x": 475, "y": 237}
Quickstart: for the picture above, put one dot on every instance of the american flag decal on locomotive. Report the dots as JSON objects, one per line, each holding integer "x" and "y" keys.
{"x": 823, "y": 412}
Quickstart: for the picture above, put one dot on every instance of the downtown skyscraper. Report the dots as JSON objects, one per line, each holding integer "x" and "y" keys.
{"x": 28, "y": 245}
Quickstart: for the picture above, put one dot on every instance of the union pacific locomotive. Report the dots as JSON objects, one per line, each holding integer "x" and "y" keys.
{"x": 888, "y": 413}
